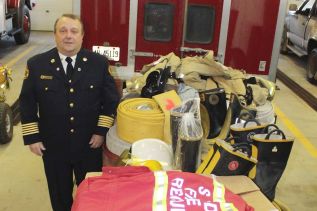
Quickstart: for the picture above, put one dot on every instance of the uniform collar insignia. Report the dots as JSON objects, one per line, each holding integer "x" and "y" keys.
{"x": 85, "y": 59}
{"x": 52, "y": 61}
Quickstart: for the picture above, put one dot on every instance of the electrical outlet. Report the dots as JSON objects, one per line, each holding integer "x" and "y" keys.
{"x": 262, "y": 66}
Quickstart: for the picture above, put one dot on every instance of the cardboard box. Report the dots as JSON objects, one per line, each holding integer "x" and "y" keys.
{"x": 240, "y": 185}
{"x": 248, "y": 190}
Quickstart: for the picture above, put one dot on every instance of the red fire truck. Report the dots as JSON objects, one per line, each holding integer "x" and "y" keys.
{"x": 15, "y": 19}
{"x": 244, "y": 34}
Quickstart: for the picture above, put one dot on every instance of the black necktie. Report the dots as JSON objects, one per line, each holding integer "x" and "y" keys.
{"x": 69, "y": 69}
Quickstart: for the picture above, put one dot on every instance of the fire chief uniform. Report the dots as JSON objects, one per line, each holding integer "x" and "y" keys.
{"x": 64, "y": 113}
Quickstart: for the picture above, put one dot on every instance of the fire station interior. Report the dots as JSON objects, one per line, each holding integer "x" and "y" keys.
{"x": 22, "y": 180}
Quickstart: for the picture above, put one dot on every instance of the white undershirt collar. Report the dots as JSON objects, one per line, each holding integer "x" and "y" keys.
{"x": 64, "y": 63}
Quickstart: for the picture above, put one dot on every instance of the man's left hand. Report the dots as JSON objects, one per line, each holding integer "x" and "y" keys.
{"x": 96, "y": 141}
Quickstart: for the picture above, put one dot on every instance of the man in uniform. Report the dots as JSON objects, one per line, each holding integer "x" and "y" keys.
{"x": 68, "y": 102}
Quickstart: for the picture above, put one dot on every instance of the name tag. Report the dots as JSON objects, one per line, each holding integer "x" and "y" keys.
{"x": 46, "y": 77}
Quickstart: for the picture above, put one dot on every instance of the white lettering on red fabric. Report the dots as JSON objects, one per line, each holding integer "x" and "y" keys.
{"x": 176, "y": 201}
{"x": 181, "y": 198}
{"x": 190, "y": 192}
{"x": 178, "y": 182}
{"x": 191, "y": 197}
{"x": 176, "y": 191}
{"x": 203, "y": 191}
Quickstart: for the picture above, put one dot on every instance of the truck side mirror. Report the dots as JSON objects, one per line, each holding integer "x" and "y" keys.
{"x": 292, "y": 7}
{"x": 306, "y": 12}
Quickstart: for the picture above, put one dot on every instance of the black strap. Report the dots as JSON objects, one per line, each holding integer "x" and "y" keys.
{"x": 243, "y": 147}
{"x": 277, "y": 131}
{"x": 268, "y": 128}
{"x": 251, "y": 120}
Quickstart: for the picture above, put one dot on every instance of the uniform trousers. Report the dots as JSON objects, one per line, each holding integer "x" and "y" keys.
{"x": 60, "y": 176}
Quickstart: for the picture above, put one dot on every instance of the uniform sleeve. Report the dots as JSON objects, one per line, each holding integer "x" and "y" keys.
{"x": 29, "y": 109}
{"x": 110, "y": 100}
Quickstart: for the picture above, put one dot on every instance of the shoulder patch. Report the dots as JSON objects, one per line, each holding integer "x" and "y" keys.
{"x": 26, "y": 73}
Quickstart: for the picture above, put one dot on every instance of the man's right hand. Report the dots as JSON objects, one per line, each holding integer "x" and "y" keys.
{"x": 37, "y": 148}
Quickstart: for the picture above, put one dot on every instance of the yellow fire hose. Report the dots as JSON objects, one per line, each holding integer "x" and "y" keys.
{"x": 139, "y": 118}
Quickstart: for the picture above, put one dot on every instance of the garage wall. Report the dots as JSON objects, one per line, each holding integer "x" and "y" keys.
{"x": 45, "y": 13}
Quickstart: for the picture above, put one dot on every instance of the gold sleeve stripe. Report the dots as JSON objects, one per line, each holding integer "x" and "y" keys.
{"x": 29, "y": 132}
{"x": 104, "y": 125}
{"x": 105, "y": 118}
{"x": 105, "y": 121}
{"x": 30, "y": 128}
{"x": 27, "y": 129}
{"x": 102, "y": 121}
{"x": 29, "y": 124}
{"x": 26, "y": 134}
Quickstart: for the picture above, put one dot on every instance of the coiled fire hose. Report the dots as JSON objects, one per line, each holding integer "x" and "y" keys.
{"x": 139, "y": 118}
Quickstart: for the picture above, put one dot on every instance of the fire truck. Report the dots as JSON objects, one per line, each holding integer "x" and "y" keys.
{"x": 15, "y": 19}
{"x": 244, "y": 34}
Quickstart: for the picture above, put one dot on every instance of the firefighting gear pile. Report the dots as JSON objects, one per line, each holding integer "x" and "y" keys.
{"x": 138, "y": 188}
{"x": 215, "y": 119}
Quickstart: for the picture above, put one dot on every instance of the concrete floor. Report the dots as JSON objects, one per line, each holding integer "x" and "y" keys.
{"x": 22, "y": 180}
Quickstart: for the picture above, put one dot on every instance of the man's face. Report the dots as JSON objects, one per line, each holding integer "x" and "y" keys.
{"x": 68, "y": 36}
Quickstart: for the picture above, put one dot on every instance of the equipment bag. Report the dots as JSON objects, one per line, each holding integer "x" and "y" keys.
{"x": 224, "y": 159}
{"x": 215, "y": 102}
{"x": 242, "y": 132}
{"x": 272, "y": 152}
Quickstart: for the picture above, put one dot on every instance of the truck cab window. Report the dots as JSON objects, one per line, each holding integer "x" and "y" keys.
{"x": 158, "y": 22}
{"x": 305, "y": 10}
{"x": 200, "y": 24}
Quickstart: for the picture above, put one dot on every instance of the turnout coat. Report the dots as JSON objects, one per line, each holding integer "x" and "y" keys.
{"x": 64, "y": 113}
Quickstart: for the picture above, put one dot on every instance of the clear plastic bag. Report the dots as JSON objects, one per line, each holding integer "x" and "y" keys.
{"x": 187, "y": 134}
